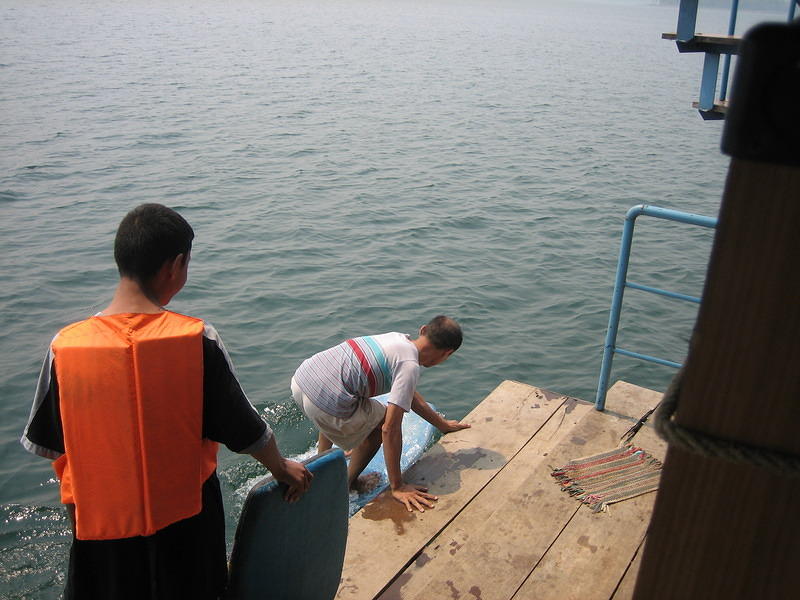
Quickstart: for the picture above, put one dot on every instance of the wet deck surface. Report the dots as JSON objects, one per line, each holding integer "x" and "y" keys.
{"x": 502, "y": 528}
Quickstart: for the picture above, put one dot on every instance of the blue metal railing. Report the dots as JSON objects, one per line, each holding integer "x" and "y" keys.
{"x": 621, "y": 282}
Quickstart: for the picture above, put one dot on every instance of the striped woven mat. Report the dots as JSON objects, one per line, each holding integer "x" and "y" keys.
{"x": 609, "y": 477}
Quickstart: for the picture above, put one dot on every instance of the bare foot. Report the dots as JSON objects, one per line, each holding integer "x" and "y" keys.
{"x": 366, "y": 483}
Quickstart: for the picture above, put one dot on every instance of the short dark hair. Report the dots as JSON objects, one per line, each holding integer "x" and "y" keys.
{"x": 444, "y": 333}
{"x": 147, "y": 237}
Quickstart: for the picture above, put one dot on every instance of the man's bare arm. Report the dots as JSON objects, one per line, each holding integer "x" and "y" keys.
{"x": 412, "y": 496}
{"x": 424, "y": 410}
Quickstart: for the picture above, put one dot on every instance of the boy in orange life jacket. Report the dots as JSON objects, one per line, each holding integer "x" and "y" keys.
{"x": 131, "y": 404}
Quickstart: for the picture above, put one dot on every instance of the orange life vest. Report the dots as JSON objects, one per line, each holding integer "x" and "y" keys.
{"x": 131, "y": 400}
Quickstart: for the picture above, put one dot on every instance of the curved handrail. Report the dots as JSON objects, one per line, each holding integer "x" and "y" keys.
{"x": 621, "y": 282}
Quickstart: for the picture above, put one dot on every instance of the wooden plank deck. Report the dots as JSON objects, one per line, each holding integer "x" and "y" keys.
{"x": 708, "y": 38}
{"x": 502, "y": 528}
{"x": 705, "y": 42}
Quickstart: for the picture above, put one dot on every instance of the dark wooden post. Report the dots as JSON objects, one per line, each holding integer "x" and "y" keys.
{"x": 721, "y": 529}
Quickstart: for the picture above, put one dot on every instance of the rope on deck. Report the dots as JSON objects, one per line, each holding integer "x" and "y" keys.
{"x": 713, "y": 446}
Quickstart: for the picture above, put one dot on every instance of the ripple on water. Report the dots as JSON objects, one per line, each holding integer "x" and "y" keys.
{"x": 36, "y": 541}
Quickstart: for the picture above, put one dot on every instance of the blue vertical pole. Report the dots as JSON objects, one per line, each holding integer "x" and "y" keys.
{"x": 792, "y": 4}
{"x": 726, "y": 67}
{"x": 708, "y": 84}
{"x": 616, "y": 306}
{"x": 687, "y": 19}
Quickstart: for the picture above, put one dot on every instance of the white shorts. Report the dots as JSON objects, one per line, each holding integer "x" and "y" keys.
{"x": 345, "y": 433}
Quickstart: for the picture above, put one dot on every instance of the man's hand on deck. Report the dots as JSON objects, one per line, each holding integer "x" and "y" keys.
{"x": 414, "y": 496}
{"x": 451, "y": 425}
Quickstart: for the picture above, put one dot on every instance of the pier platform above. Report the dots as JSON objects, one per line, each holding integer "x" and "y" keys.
{"x": 502, "y": 528}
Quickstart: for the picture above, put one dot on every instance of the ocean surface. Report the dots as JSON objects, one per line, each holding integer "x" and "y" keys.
{"x": 350, "y": 167}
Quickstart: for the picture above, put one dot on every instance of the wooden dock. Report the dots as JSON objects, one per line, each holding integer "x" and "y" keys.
{"x": 502, "y": 527}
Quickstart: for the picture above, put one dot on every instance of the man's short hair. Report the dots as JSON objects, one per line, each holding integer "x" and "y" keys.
{"x": 444, "y": 333}
{"x": 147, "y": 237}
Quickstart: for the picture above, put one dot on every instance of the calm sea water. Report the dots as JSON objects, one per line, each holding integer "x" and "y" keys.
{"x": 350, "y": 167}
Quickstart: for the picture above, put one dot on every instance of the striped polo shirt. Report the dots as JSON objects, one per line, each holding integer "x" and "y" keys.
{"x": 337, "y": 379}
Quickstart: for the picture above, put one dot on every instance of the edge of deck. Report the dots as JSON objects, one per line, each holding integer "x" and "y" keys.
{"x": 493, "y": 484}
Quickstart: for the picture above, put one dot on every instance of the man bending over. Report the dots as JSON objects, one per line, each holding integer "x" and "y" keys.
{"x": 336, "y": 390}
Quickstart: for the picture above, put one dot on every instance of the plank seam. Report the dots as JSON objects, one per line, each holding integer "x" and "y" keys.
{"x": 541, "y": 558}
{"x": 628, "y": 568}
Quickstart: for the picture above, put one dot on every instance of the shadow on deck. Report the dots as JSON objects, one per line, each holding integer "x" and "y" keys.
{"x": 503, "y": 528}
